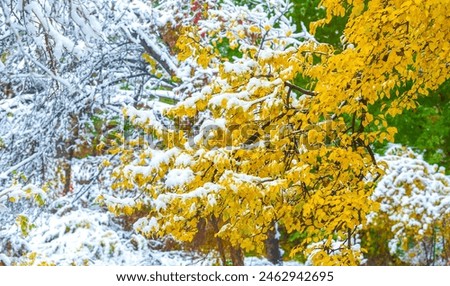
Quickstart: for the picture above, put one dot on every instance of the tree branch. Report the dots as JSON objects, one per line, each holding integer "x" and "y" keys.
{"x": 300, "y": 89}
{"x": 4, "y": 175}
{"x": 150, "y": 49}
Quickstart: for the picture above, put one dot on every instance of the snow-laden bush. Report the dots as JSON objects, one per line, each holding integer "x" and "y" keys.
{"x": 65, "y": 234}
{"x": 414, "y": 213}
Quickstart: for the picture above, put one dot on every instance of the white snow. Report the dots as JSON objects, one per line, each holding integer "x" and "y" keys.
{"x": 145, "y": 225}
{"x": 183, "y": 160}
{"x": 4, "y": 259}
{"x": 239, "y": 68}
{"x": 178, "y": 177}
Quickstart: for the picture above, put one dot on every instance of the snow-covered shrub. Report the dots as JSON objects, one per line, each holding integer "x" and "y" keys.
{"x": 37, "y": 227}
{"x": 19, "y": 205}
{"x": 414, "y": 213}
{"x": 69, "y": 235}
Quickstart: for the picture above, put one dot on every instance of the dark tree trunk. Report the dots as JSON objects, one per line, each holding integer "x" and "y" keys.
{"x": 219, "y": 240}
{"x": 200, "y": 236}
{"x": 237, "y": 257}
{"x": 272, "y": 244}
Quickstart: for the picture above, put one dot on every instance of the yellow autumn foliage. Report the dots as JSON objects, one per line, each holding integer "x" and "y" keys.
{"x": 272, "y": 153}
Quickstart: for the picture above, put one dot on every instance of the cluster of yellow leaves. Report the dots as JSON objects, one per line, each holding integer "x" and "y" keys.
{"x": 273, "y": 153}
{"x": 391, "y": 45}
{"x": 322, "y": 254}
{"x": 189, "y": 45}
{"x": 24, "y": 224}
{"x": 153, "y": 65}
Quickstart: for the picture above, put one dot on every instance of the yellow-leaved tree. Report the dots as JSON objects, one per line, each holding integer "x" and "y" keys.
{"x": 248, "y": 152}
